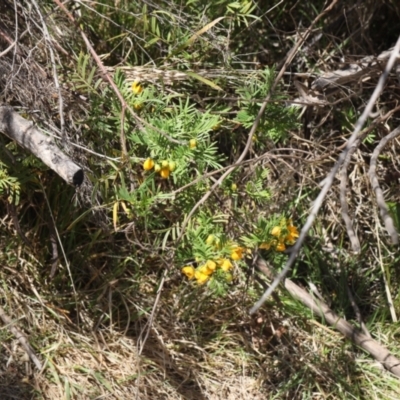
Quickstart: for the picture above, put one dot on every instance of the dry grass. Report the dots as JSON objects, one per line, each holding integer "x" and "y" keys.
{"x": 198, "y": 347}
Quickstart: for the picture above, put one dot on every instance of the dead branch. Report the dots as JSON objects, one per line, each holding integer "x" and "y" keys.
{"x": 40, "y": 145}
{"x": 366, "y": 69}
{"x": 379, "y": 352}
{"x": 318, "y": 307}
{"x": 387, "y": 219}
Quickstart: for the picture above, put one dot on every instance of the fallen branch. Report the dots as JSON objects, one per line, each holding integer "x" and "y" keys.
{"x": 40, "y": 145}
{"x": 379, "y": 352}
{"x": 318, "y": 307}
{"x": 365, "y": 69}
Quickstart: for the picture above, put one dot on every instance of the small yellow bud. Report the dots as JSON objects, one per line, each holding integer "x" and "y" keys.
{"x": 172, "y": 166}
{"x": 138, "y": 106}
{"x": 234, "y": 187}
{"x": 210, "y": 239}
{"x": 237, "y": 253}
{"x": 229, "y": 278}
{"x": 157, "y": 167}
{"x": 164, "y": 173}
{"x": 192, "y": 143}
{"x": 205, "y": 270}
{"x": 276, "y": 231}
{"x": 265, "y": 246}
{"x": 148, "y": 164}
{"x": 201, "y": 278}
{"x": 164, "y": 164}
{"x": 136, "y": 88}
{"x": 281, "y": 247}
{"x": 211, "y": 265}
{"x": 225, "y": 264}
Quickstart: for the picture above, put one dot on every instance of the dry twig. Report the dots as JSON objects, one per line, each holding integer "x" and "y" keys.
{"x": 387, "y": 219}
{"x": 355, "y": 243}
{"x": 21, "y": 338}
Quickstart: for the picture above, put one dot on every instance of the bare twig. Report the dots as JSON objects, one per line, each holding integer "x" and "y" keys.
{"x": 55, "y": 231}
{"x": 387, "y": 219}
{"x": 328, "y": 181}
{"x": 21, "y": 338}
{"x": 380, "y": 261}
{"x": 54, "y": 248}
{"x": 355, "y": 243}
{"x": 358, "y": 313}
{"x": 13, "y": 212}
{"x": 54, "y": 66}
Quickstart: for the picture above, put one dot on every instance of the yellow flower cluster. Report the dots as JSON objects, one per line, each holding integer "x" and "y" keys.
{"x": 204, "y": 272}
{"x": 164, "y": 169}
{"x": 283, "y": 235}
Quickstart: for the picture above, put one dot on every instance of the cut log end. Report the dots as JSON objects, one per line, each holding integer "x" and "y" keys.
{"x": 77, "y": 179}
{"x": 40, "y": 145}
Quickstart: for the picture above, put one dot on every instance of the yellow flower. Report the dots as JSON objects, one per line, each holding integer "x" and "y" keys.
{"x": 136, "y": 88}
{"x": 276, "y": 231}
{"x": 225, "y": 264}
{"x": 201, "y": 278}
{"x": 280, "y": 246}
{"x": 211, "y": 265}
{"x": 265, "y": 246}
{"x": 292, "y": 235}
{"x": 148, "y": 164}
{"x": 192, "y": 143}
{"x": 206, "y": 269}
{"x": 164, "y": 173}
{"x": 189, "y": 271}
{"x": 237, "y": 253}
